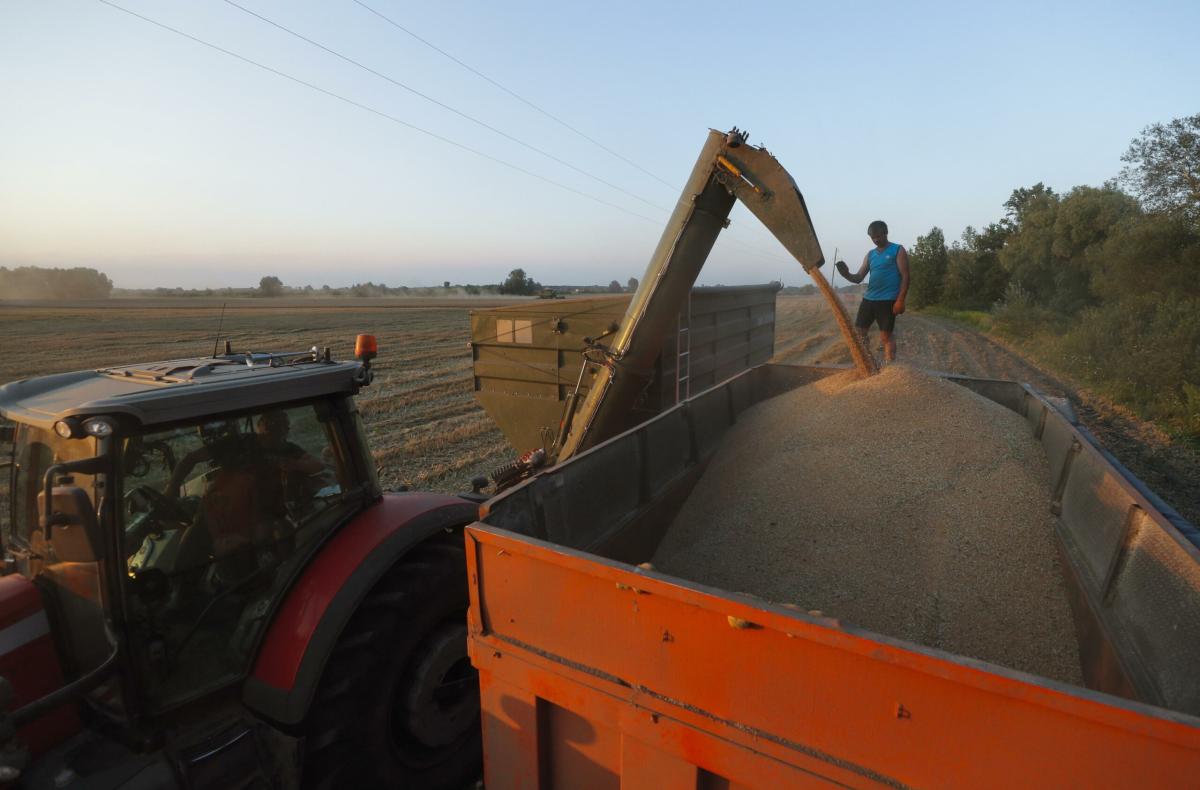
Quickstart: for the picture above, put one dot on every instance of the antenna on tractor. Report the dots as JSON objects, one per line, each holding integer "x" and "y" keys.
{"x": 220, "y": 323}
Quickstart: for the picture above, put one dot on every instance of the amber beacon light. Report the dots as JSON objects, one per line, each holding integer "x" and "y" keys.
{"x": 365, "y": 347}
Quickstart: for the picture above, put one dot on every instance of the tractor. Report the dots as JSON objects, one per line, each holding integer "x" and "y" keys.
{"x": 203, "y": 546}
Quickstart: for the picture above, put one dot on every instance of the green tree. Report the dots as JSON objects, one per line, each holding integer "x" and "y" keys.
{"x": 270, "y": 286}
{"x": 614, "y": 287}
{"x": 1146, "y": 352}
{"x": 975, "y": 279}
{"x": 1164, "y": 167}
{"x": 519, "y": 283}
{"x": 1051, "y": 242}
{"x": 927, "y": 262}
{"x": 1025, "y": 200}
{"x": 1158, "y": 256}
{"x": 632, "y": 285}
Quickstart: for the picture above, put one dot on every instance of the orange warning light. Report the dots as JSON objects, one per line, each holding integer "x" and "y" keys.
{"x": 365, "y": 347}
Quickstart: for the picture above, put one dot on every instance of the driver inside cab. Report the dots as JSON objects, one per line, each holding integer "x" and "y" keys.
{"x": 250, "y": 481}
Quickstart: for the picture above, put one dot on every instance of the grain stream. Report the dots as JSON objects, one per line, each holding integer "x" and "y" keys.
{"x": 903, "y": 504}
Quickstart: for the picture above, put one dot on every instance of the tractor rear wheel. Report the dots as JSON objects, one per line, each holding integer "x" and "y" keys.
{"x": 398, "y": 704}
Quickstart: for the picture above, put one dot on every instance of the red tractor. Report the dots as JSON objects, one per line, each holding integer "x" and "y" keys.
{"x": 203, "y": 544}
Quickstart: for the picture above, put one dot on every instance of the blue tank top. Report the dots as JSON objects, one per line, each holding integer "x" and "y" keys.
{"x": 884, "y": 284}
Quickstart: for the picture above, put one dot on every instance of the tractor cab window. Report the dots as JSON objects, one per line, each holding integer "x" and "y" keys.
{"x": 217, "y": 517}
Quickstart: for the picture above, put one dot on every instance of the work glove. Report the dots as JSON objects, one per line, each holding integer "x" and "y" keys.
{"x": 843, "y": 269}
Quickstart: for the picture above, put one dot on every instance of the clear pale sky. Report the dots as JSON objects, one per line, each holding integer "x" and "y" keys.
{"x": 162, "y": 162}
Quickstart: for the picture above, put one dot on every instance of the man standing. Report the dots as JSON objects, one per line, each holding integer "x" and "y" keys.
{"x": 884, "y": 300}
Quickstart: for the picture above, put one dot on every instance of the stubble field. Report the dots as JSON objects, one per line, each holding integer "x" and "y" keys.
{"x": 426, "y": 430}
{"x": 424, "y": 426}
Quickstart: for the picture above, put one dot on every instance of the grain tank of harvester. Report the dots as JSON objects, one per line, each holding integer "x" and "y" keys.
{"x": 598, "y": 671}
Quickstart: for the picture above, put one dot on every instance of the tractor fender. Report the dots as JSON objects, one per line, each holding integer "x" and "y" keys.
{"x": 309, "y": 620}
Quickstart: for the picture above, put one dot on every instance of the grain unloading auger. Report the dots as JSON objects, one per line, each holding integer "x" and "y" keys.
{"x": 728, "y": 169}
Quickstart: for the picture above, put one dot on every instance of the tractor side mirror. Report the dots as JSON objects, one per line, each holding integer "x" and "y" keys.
{"x": 69, "y": 509}
{"x": 71, "y": 529}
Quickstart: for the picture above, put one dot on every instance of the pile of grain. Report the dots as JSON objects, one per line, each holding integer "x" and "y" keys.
{"x": 902, "y": 503}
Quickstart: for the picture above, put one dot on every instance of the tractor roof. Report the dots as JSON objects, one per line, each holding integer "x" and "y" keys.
{"x": 179, "y": 389}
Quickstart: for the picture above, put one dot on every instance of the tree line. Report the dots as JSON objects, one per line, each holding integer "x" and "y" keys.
{"x": 1103, "y": 281}
{"x": 34, "y": 282}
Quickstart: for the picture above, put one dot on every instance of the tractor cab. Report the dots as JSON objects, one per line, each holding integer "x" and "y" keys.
{"x": 167, "y": 508}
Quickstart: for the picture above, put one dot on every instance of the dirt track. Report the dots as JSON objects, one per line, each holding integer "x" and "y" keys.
{"x": 807, "y": 334}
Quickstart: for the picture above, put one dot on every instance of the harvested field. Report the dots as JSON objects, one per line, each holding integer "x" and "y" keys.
{"x": 421, "y": 414}
{"x": 903, "y": 504}
{"x": 424, "y": 426}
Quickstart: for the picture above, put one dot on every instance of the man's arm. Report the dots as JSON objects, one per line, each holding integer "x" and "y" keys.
{"x": 862, "y": 270}
{"x": 902, "y": 265}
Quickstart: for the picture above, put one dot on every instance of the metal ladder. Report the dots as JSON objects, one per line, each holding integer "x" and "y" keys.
{"x": 683, "y": 359}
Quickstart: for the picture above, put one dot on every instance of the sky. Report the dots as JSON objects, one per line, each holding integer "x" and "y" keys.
{"x": 163, "y": 162}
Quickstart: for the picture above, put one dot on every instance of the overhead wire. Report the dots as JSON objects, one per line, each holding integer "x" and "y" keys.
{"x": 414, "y": 127}
{"x": 548, "y": 114}
{"x": 377, "y": 112}
{"x": 515, "y": 95}
{"x": 442, "y": 104}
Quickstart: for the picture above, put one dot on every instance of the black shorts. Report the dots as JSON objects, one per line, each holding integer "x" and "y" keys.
{"x": 871, "y": 311}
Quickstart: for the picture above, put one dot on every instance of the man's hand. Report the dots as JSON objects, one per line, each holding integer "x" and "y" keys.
{"x": 898, "y": 307}
{"x": 843, "y": 269}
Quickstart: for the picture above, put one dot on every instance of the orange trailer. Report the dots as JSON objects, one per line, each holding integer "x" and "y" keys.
{"x": 597, "y": 673}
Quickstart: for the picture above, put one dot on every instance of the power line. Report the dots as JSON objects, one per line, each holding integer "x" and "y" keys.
{"x": 734, "y": 239}
{"x": 443, "y": 105}
{"x": 413, "y": 127}
{"x": 551, "y": 116}
{"x": 756, "y": 250}
{"x": 515, "y": 95}
{"x": 380, "y": 113}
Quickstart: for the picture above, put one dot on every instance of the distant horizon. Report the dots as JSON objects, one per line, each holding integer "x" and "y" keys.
{"x": 703, "y": 281}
